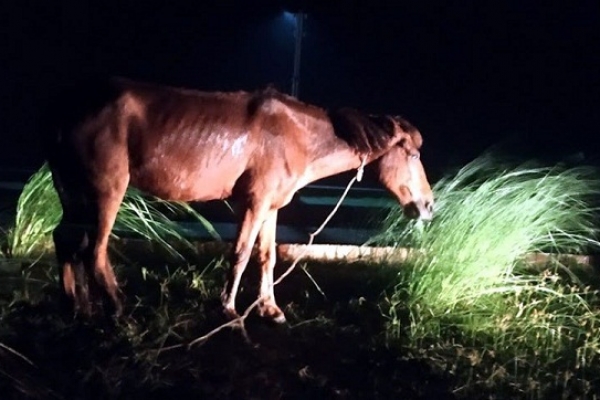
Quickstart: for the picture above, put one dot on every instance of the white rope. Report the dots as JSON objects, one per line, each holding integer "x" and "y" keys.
{"x": 239, "y": 321}
{"x": 361, "y": 169}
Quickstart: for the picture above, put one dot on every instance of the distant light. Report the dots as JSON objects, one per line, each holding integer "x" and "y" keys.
{"x": 289, "y": 17}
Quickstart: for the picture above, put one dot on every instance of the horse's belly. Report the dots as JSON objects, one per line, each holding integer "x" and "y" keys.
{"x": 185, "y": 184}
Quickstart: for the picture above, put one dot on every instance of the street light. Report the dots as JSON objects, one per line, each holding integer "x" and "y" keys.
{"x": 298, "y": 19}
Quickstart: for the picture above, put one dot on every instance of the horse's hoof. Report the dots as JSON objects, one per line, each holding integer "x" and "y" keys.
{"x": 118, "y": 301}
{"x": 117, "y": 311}
{"x": 84, "y": 311}
{"x": 272, "y": 313}
{"x": 279, "y": 319}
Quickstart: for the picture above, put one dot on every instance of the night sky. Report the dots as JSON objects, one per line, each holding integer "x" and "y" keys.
{"x": 469, "y": 74}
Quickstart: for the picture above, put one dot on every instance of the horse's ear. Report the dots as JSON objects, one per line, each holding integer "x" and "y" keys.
{"x": 407, "y": 143}
{"x": 417, "y": 138}
{"x": 410, "y": 131}
{"x": 409, "y": 146}
{"x": 404, "y": 124}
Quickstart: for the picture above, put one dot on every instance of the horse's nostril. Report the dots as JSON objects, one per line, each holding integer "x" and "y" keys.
{"x": 429, "y": 206}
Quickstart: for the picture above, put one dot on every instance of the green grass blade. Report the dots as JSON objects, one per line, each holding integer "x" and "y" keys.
{"x": 39, "y": 211}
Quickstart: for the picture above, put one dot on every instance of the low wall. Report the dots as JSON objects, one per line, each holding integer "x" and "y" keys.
{"x": 288, "y": 252}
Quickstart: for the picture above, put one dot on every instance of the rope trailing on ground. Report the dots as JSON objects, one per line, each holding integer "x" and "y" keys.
{"x": 239, "y": 322}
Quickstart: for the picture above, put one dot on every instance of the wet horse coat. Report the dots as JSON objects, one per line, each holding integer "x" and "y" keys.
{"x": 255, "y": 148}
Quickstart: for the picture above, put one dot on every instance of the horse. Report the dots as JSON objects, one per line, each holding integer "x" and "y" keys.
{"x": 256, "y": 148}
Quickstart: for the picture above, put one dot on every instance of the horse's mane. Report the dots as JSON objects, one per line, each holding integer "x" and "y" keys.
{"x": 366, "y": 132}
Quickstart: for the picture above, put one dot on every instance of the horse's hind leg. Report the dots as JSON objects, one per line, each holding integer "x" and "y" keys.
{"x": 70, "y": 241}
{"x": 107, "y": 207}
{"x": 81, "y": 240}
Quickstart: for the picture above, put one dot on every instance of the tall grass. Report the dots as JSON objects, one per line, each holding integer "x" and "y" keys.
{"x": 37, "y": 214}
{"x": 150, "y": 218}
{"x": 39, "y": 211}
{"x": 470, "y": 279}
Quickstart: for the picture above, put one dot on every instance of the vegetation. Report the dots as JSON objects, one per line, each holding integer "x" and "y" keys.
{"x": 471, "y": 284}
{"x": 468, "y": 316}
{"x": 37, "y": 214}
{"x": 39, "y": 211}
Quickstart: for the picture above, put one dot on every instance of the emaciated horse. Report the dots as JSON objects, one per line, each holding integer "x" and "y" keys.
{"x": 257, "y": 149}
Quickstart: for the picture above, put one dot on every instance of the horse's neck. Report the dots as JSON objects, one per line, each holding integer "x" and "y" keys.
{"x": 328, "y": 154}
{"x": 341, "y": 159}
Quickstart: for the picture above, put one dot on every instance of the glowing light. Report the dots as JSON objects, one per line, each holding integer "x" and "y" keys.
{"x": 289, "y": 17}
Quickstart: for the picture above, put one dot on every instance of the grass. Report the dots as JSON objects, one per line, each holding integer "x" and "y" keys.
{"x": 39, "y": 211}
{"x": 468, "y": 317}
{"x": 151, "y": 219}
{"x": 37, "y": 214}
{"x": 470, "y": 284}
{"x": 47, "y": 354}
{"x": 324, "y": 352}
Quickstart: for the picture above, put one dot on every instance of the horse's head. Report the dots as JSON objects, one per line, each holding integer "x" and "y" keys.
{"x": 400, "y": 170}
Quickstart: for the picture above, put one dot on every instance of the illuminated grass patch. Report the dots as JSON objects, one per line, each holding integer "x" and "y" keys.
{"x": 470, "y": 285}
{"x": 39, "y": 211}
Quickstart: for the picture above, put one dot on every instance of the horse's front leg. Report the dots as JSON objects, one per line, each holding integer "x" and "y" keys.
{"x": 247, "y": 233}
{"x": 267, "y": 257}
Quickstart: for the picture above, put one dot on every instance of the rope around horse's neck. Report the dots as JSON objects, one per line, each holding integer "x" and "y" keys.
{"x": 239, "y": 321}
{"x": 359, "y": 175}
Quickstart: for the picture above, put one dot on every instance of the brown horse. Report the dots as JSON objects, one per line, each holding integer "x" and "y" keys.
{"x": 255, "y": 148}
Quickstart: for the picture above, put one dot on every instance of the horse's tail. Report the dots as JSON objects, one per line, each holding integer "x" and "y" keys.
{"x": 66, "y": 109}
{"x": 63, "y": 111}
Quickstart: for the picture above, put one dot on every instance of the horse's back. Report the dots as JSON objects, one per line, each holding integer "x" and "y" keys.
{"x": 175, "y": 143}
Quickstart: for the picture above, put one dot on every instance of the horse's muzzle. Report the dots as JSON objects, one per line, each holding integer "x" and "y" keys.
{"x": 419, "y": 210}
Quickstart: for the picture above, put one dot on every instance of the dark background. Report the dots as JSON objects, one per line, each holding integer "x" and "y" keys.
{"x": 469, "y": 74}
